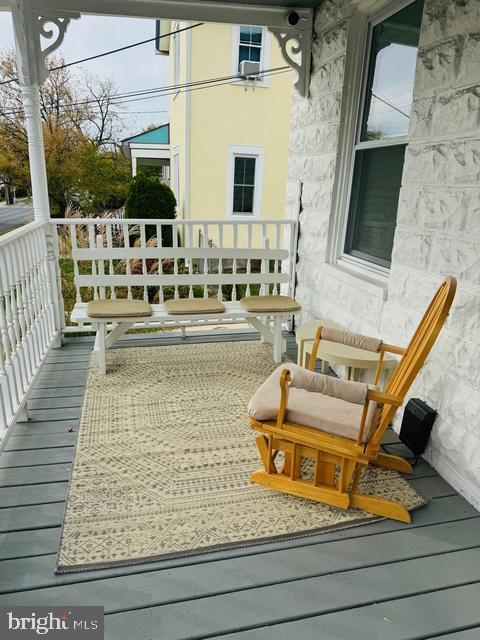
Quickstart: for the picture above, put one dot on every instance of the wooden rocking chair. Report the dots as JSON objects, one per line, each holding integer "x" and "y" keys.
{"x": 338, "y": 423}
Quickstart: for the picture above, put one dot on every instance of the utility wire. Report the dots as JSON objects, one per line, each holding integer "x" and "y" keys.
{"x": 111, "y": 51}
{"x": 118, "y": 99}
{"x": 389, "y": 104}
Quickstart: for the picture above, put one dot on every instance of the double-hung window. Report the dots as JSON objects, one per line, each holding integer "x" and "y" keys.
{"x": 251, "y": 53}
{"x": 382, "y": 136}
{"x": 245, "y": 181}
{"x": 250, "y": 44}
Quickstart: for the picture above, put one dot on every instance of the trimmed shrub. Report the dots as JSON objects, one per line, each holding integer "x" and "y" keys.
{"x": 147, "y": 197}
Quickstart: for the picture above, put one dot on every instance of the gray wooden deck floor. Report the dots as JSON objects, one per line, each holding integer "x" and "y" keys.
{"x": 385, "y": 580}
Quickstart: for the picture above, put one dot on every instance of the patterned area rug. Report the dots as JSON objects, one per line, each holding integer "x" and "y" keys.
{"x": 164, "y": 456}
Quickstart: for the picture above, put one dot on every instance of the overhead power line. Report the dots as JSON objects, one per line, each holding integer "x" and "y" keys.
{"x": 148, "y": 94}
{"x": 389, "y": 104}
{"x": 112, "y": 51}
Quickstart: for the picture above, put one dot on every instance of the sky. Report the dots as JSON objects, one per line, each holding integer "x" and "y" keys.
{"x": 137, "y": 68}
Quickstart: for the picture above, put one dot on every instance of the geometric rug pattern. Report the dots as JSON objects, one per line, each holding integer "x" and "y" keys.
{"x": 164, "y": 456}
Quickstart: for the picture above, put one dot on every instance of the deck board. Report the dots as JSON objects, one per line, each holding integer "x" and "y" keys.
{"x": 339, "y": 583}
{"x": 339, "y": 592}
{"x": 208, "y": 579}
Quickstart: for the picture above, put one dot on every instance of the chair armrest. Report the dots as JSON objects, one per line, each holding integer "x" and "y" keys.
{"x": 285, "y": 380}
{"x": 384, "y": 398}
{"x": 391, "y": 348}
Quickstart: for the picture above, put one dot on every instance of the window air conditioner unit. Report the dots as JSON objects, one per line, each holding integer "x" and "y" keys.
{"x": 249, "y": 69}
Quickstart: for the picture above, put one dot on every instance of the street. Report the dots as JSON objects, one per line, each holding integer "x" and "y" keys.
{"x": 13, "y": 216}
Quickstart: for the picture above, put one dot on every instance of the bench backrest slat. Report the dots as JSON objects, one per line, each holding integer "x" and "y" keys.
{"x": 153, "y": 280}
{"x": 153, "y": 253}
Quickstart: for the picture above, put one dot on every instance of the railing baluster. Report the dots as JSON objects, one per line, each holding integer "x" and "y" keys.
{"x": 234, "y": 260}
{"x": 15, "y": 303}
{"x": 10, "y": 383}
{"x": 276, "y": 265}
{"x": 143, "y": 244}
{"x": 93, "y": 265}
{"x": 37, "y": 297}
{"x": 205, "y": 260}
{"x": 220, "y": 260}
{"x": 111, "y": 266}
{"x": 175, "y": 263}
{"x": 26, "y": 317}
{"x": 161, "y": 297}
{"x": 76, "y": 271}
{"x": 249, "y": 263}
{"x": 126, "y": 244}
{"x": 100, "y": 266}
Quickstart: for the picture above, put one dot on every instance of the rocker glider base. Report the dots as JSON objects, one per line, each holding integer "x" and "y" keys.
{"x": 392, "y": 462}
{"x": 331, "y": 496}
{"x": 322, "y": 488}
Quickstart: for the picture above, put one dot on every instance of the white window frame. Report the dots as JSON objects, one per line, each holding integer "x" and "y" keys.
{"x": 243, "y": 151}
{"x": 176, "y": 59}
{"x": 264, "y": 81}
{"x": 175, "y": 176}
{"x": 353, "y": 101}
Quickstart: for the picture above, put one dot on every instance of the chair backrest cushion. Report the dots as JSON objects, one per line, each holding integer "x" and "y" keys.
{"x": 356, "y": 340}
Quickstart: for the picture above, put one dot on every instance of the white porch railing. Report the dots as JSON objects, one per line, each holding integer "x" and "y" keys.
{"x": 29, "y": 315}
{"x": 135, "y": 235}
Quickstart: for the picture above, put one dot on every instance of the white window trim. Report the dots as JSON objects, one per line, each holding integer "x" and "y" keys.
{"x": 251, "y": 152}
{"x": 353, "y": 102}
{"x": 177, "y": 71}
{"x": 264, "y": 81}
{"x": 175, "y": 176}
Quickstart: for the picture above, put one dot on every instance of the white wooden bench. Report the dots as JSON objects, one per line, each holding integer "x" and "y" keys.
{"x": 101, "y": 259}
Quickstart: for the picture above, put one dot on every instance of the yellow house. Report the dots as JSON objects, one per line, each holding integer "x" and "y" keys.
{"x": 229, "y": 139}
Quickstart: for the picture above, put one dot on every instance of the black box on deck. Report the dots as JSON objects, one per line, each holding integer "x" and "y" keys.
{"x": 417, "y": 423}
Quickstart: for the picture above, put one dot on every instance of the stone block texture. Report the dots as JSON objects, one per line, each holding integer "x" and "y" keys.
{"x": 438, "y": 223}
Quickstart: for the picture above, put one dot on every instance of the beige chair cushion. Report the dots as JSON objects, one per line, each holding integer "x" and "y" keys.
{"x": 273, "y": 304}
{"x": 355, "y": 392}
{"x": 118, "y": 308}
{"x": 338, "y": 416}
{"x": 356, "y": 340}
{"x": 186, "y": 306}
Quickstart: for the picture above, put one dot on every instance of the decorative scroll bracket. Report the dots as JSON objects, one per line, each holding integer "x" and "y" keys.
{"x": 30, "y": 29}
{"x": 296, "y": 47}
{"x": 56, "y": 33}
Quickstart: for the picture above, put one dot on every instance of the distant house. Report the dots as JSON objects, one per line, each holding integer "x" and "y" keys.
{"x": 229, "y": 142}
{"x": 150, "y": 149}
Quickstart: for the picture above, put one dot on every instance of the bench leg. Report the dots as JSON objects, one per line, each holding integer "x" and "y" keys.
{"x": 261, "y": 327}
{"x": 101, "y": 348}
{"x": 277, "y": 339}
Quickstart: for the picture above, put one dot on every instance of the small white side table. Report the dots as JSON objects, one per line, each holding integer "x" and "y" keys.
{"x": 333, "y": 352}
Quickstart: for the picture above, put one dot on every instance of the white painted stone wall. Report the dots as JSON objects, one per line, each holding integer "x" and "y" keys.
{"x": 438, "y": 230}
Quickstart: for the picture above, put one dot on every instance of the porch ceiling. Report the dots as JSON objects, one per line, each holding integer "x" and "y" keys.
{"x": 115, "y": 7}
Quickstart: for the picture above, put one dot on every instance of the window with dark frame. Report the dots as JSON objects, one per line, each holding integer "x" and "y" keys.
{"x": 382, "y": 136}
{"x": 244, "y": 185}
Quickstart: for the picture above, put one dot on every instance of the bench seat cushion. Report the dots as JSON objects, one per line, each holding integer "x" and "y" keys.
{"x": 118, "y": 308}
{"x": 274, "y": 304}
{"x": 314, "y": 409}
{"x": 185, "y": 306}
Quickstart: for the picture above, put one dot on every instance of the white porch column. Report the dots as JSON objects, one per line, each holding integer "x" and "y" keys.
{"x": 36, "y": 152}
{"x": 134, "y": 165}
{"x": 30, "y": 27}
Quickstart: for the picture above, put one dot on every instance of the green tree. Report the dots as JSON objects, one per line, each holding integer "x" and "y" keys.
{"x": 147, "y": 197}
{"x": 80, "y": 127}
